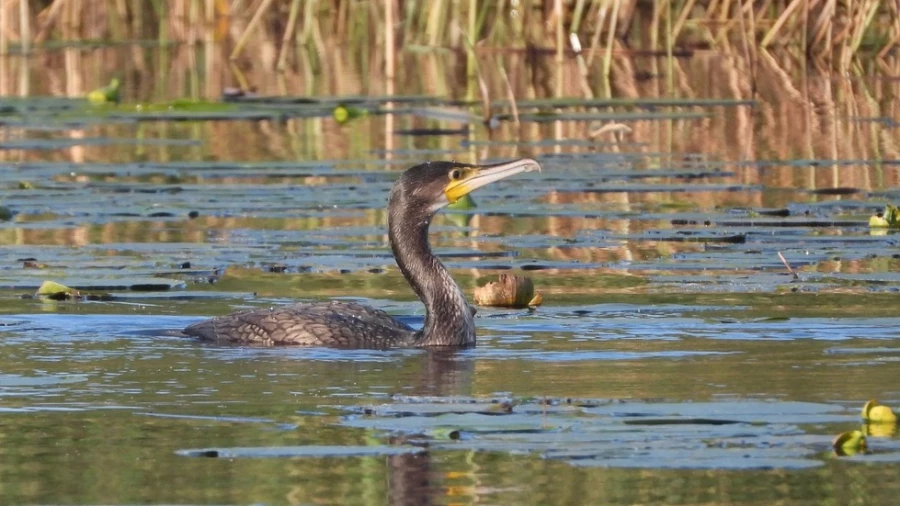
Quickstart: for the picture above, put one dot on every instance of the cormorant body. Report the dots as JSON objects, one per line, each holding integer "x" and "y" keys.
{"x": 418, "y": 194}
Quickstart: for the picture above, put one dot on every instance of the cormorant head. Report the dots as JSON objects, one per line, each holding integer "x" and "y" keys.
{"x": 433, "y": 185}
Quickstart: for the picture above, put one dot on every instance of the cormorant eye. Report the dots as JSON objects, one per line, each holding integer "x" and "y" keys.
{"x": 455, "y": 174}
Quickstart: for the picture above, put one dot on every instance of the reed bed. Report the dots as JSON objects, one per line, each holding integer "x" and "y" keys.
{"x": 332, "y": 48}
{"x": 834, "y": 34}
{"x": 796, "y": 115}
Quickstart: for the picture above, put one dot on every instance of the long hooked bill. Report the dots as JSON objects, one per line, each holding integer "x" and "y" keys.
{"x": 473, "y": 177}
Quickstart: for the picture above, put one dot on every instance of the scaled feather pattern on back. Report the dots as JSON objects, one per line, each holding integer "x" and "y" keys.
{"x": 332, "y": 323}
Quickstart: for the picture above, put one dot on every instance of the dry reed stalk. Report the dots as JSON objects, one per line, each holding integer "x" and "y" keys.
{"x": 712, "y": 7}
{"x": 417, "y": 22}
{"x": 751, "y": 59}
{"x": 238, "y": 75}
{"x": 473, "y": 20}
{"x": 722, "y": 26}
{"x": 682, "y": 18}
{"x": 119, "y": 28}
{"x": 390, "y": 48}
{"x": 654, "y": 23}
{"x": 779, "y": 23}
{"x": 670, "y": 59}
{"x": 787, "y": 84}
{"x": 193, "y": 22}
{"x": 559, "y": 32}
{"x": 510, "y": 93}
{"x": 610, "y": 37}
{"x": 822, "y": 25}
{"x": 288, "y": 32}
{"x": 24, "y": 27}
{"x": 209, "y": 60}
{"x": 598, "y": 29}
{"x": 558, "y": 91}
{"x": 627, "y": 19}
{"x": 577, "y": 13}
{"x": 308, "y": 20}
{"x": 4, "y": 33}
{"x": 865, "y": 13}
{"x": 487, "y": 108}
{"x": 582, "y": 67}
{"x": 319, "y": 44}
{"x": 254, "y": 21}
{"x": 808, "y": 110}
{"x": 390, "y": 68}
{"x": 177, "y": 26}
{"x": 341, "y": 20}
{"x": 894, "y": 34}
{"x": 496, "y": 31}
{"x": 718, "y": 26}
{"x": 435, "y": 23}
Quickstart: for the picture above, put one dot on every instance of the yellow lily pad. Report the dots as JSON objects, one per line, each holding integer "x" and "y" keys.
{"x": 849, "y": 443}
{"x": 889, "y": 218}
{"x": 873, "y": 412}
{"x": 56, "y": 291}
{"x": 878, "y": 221}
{"x": 106, "y": 94}
{"x": 342, "y": 114}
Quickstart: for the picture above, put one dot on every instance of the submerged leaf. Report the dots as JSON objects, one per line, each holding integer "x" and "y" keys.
{"x": 508, "y": 291}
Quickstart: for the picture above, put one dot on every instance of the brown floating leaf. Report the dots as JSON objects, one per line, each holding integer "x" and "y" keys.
{"x": 508, "y": 291}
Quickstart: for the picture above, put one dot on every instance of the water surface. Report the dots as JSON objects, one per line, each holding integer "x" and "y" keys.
{"x": 675, "y": 359}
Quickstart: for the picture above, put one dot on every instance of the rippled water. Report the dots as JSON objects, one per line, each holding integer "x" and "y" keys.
{"x": 675, "y": 359}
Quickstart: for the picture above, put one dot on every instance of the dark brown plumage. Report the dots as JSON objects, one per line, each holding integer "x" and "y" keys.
{"x": 418, "y": 194}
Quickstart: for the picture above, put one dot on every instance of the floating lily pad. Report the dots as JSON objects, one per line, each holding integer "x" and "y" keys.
{"x": 873, "y": 412}
{"x": 729, "y": 435}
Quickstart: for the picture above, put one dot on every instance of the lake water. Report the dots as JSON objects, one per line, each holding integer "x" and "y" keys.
{"x": 675, "y": 359}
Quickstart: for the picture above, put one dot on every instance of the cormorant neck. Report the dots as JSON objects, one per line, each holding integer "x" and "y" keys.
{"x": 449, "y": 321}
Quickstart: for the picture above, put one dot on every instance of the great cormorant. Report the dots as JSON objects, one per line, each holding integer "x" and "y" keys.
{"x": 418, "y": 194}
